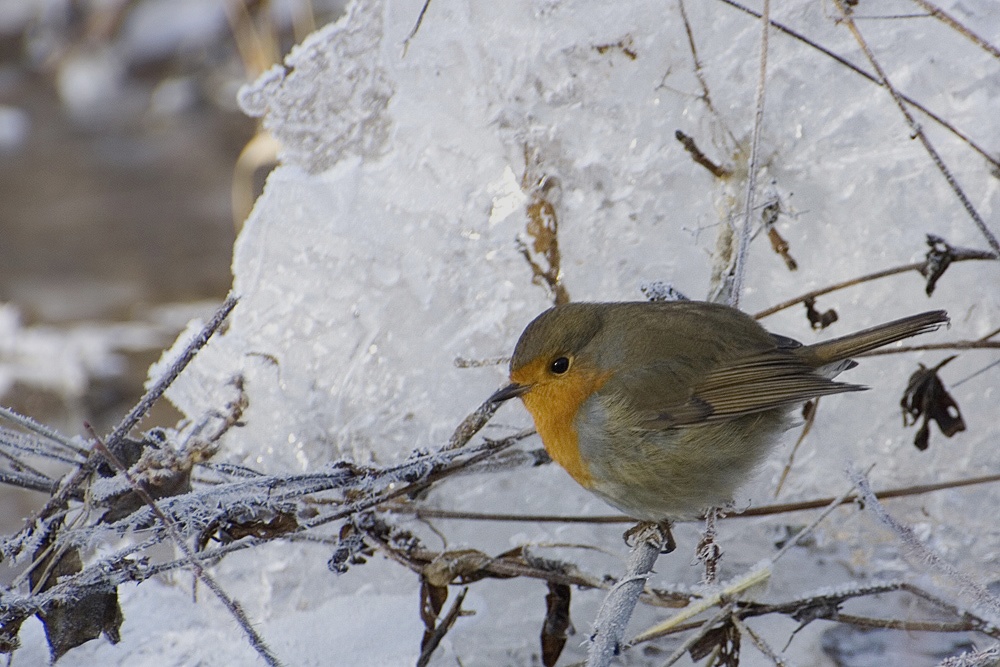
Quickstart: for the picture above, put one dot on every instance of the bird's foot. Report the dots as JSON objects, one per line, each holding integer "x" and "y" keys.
{"x": 653, "y": 532}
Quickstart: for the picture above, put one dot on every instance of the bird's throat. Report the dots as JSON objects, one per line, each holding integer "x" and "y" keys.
{"x": 554, "y": 407}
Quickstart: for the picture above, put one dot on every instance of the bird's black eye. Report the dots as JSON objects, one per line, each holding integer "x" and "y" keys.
{"x": 559, "y": 366}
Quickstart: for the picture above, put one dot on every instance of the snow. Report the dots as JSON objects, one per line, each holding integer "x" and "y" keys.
{"x": 384, "y": 248}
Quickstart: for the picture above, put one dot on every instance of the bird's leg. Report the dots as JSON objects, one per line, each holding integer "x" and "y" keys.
{"x": 657, "y": 532}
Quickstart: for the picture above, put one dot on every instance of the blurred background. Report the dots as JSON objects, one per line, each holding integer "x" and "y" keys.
{"x": 121, "y": 189}
{"x": 119, "y": 141}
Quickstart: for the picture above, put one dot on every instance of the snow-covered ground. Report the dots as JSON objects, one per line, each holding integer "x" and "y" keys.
{"x": 385, "y": 247}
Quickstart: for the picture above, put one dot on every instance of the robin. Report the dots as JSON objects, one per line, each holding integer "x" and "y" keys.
{"x": 664, "y": 409}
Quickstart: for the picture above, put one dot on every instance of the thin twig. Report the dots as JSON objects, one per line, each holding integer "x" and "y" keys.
{"x": 30, "y": 424}
{"x": 699, "y": 73}
{"x": 979, "y": 593}
{"x": 472, "y": 425}
{"x": 758, "y": 122}
{"x": 884, "y": 273}
{"x": 953, "y": 345}
{"x": 916, "y": 131}
{"x": 763, "y": 510}
{"x": 900, "y": 624}
{"x": 442, "y": 629}
{"x": 167, "y": 378}
{"x": 992, "y": 159}
{"x": 256, "y": 641}
{"x": 758, "y": 641}
{"x": 953, "y": 23}
{"x": 813, "y": 409}
{"x": 416, "y": 26}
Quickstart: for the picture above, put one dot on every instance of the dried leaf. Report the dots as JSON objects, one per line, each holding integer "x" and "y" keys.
{"x": 557, "y": 626}
{"x": 352, "y": 550}
{"x": 818, "y": 609}
{"x": 158, "y": 472}
{"x": 925, "y": 396}
{"x": 725, "y": 638}
{"x": 263, "y": 523}
{"x": 70, "y": 624}
{"x": 464, "y": 565}
{"x": 624, "y": 45}
{"x": 819, "y": 320}
{"x": 941, "y": 255}
{"x": 542, "y": 227}
{"x": 9, "y": 629}
{"x": 432, "y": 599}
{"x": 938, "y": 259}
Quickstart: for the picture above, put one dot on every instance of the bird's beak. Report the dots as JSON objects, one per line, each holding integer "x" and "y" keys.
{"x": 510, "y": 391}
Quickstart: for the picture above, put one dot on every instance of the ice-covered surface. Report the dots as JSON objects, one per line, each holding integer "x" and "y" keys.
{"x": 384, "y": 248}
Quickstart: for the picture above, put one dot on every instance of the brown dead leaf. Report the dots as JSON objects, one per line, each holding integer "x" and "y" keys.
{"x": 725, "y": 638}
{"x": 819, "y": 320}
{"x": 925, "y": 396}
{"x": 557, "y": 626}
{"x": 70, "y": 624}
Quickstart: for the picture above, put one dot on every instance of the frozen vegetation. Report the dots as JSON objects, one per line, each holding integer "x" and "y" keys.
{"x": 445, "y": 179}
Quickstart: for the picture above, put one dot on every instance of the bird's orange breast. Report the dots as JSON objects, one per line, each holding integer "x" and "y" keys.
{"x": 554, "y": 405}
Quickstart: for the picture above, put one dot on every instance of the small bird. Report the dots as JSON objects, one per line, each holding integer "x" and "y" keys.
{"x": 664, "y": 409}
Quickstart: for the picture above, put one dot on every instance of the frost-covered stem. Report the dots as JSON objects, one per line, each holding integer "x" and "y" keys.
{"x": 758, "y": 122}
{"x": 256, "y": 641}
{"x": 758, "y": 641}
{"x": 915, "y": 129}
{"x": 982, "y": 597}
{"x": 681, "y": 650}
{"x": 609, "y": 627}
{"x": 472, "y": 424}
{"x": 985, "y": 658}
{"x": 30, "y": 424}
{"x": 165, "y": 380}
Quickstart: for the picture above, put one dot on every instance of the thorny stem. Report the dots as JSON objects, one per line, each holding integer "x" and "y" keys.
{"x": 916, "y": 130}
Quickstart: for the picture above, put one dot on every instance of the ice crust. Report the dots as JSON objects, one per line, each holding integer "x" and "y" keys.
{"x": 384, "y": 247}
